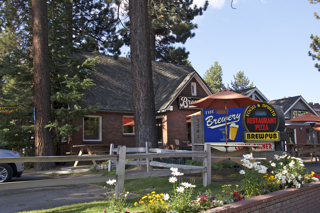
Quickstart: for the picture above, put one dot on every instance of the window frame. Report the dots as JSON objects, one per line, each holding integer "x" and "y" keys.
{"x": 194, "y": 85}
{"x": 100, "y": 127}
{"x": 127, "y": 116}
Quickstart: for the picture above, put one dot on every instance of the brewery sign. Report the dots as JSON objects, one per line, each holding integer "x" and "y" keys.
{"x": 261, "y": 121}
{"x": 184, "y": 102}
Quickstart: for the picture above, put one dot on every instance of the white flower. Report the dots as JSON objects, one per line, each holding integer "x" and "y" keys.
{"x": 284, "y": 172}
{"x": 315, "y": 179}
{"x": 273, "y": 164}
{"x": 298, "y": 185}
{"x": 276, "y": 157}
{"x": 177, "y": 174}
{"x": 186, "y": 185}
{"x": 180, "y": 189}
{"x": 217, "y": 203}
{"x": 283, "y": 181}
{"x": 301, "y": 164}
{"x": 174, "y": 169}
{"x": 193, "y": 186}
{"x": 247, "y": 156}
{"x": 284, "y": 167}
{"x": 166, "y": 197}
{"x": 281, "y": 163}
{"x": 173, "y": 179}
{"x": 111, "y": 182}
{"x": 249, "y": 165}
{"x": 300, "y": 177}
{"x": 255, "y": 164}
{"x": 272, "y": 172}
{"x": 242, "y": 172}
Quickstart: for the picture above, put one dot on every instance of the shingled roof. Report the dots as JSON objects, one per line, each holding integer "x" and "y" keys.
{"x": 246, "y": 92}
{"x": 113, "y": 87}
{"x": 285, "y": 103}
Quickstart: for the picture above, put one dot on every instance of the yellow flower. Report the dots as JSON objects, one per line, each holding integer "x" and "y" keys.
{"x": 135, "y": 204}
{"x": 237, "y": 186}
{"x": 222, "y": 190}
{"x": 153, "y": 192}
{"x": 141, "y": 202}
{"x": 167, "y": 207}
{"x": 229, "y": 185}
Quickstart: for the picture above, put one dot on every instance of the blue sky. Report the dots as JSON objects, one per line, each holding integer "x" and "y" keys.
{"x": 267, "y": 39}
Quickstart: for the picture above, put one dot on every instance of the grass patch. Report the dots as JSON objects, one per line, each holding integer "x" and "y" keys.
{"x": 138, "y": 187}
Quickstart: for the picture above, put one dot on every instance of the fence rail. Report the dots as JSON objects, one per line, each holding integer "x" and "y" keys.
{"x": 120, "y": 159}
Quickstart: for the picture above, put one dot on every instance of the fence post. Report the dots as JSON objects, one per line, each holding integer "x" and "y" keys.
{"x": 121, "y": 165}
{"x": 149, "y": 168}
{"x": 110, "y": 161}
{"x": 207, "y": 164}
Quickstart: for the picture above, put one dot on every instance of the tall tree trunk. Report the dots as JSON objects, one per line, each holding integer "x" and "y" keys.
{"x": 142, "y": 84}
{"x": 43, "y": 140}
{"x": 69, "y": 20}
{"x": 152, "y": 44}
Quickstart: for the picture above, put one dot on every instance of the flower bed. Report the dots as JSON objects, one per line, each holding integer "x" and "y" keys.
{"x": 278, "y": 191}
{"x": 302, "y": 199}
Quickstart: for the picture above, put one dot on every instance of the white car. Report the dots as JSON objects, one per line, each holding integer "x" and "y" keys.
{"x": 9, "y": 170}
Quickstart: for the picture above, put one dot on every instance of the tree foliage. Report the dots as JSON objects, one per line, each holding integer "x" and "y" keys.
{"x": 69, "y": 73}
{"x": 315, "y": 44}
{"x": 240, "y": 82}
{"x": 213, "y": 77}
{"x": 170, "y": 24}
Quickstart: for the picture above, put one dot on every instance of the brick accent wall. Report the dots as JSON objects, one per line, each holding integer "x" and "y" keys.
{"x": 111, "y": 131}
{"x": 305, "y": 199}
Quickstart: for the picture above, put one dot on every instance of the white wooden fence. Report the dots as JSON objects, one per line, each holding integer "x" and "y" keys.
{"x": 120, "y": 159}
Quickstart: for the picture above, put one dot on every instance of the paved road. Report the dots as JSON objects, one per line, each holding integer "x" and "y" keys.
{"x": 47, "y": 197}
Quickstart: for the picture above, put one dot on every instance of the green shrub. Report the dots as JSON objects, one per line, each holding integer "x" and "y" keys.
{"x": 193, "y": 163}
{"x": 225, "y": 165}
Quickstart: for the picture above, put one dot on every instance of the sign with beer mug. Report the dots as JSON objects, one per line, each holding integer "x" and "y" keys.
{"x": 214, "y": 125}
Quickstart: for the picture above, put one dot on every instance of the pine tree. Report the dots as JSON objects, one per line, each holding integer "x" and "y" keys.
{"x": 240, "y": 82}
{"x": 142, "y": 84}
{"x": 69, "y": 73}
{"x": 170, "y": 24}
{"x": 315, "y": 45}
{"x": 213, "y": 77}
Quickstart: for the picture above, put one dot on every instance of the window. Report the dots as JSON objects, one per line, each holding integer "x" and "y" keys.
{"x": 92, "y": 128}
{"x": 193, "y": 88}
{"x": 128, "y": 125}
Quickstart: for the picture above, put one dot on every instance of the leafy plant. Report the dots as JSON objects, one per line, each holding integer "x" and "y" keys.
{"x": 253, "y": 182}
{"x": 116, "y": 204}
{"x": 193, "y": 163}
{"x": 154, "y": 203}
{"x": 225, "y": 165}
{"x": 289, "y": 171}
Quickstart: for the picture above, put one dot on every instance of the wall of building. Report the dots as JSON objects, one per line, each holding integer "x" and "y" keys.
{"x": 112, "y": 132}
{"x": 291, "y": 200}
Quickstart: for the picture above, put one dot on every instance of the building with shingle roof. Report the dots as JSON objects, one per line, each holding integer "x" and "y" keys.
{"x": 254, "y": 93}
{"x": 293, "y": 107}
{"x": 175, "y": 87}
